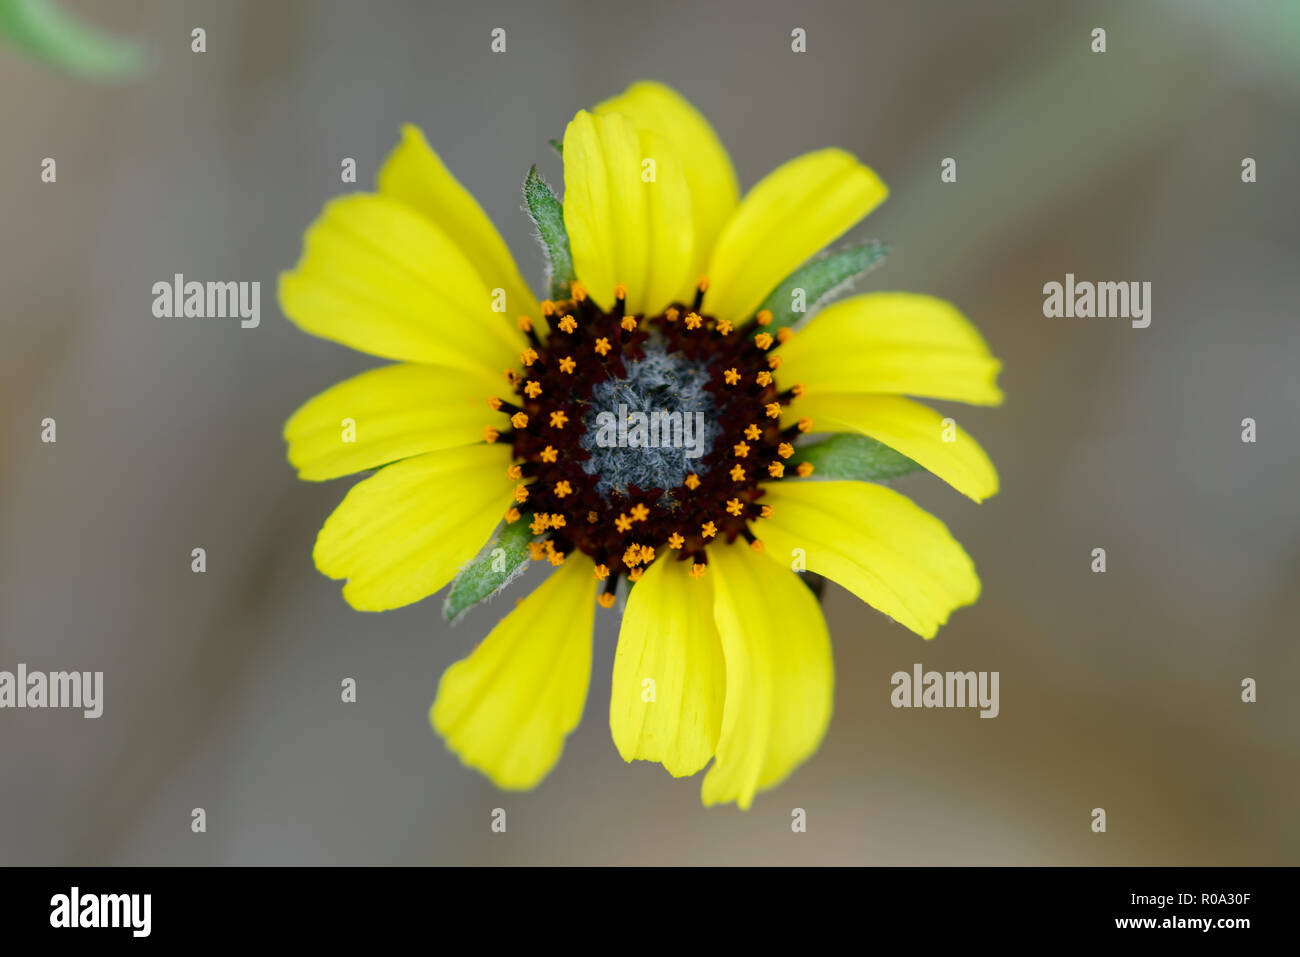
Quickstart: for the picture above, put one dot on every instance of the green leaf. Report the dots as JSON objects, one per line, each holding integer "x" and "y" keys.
{"x": 57, "y": 38}
{"x": 853, "y": 457}
{"x": 548, "y": 216}
{"x": 557, "y": 146}
{"x": 491, "y": 570}
{"x": 820, "y": 279}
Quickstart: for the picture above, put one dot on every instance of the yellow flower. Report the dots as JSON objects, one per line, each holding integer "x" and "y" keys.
{"x": 731, "y": 667}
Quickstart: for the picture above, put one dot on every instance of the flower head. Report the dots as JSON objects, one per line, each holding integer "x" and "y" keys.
{"x": 669, "y": 293}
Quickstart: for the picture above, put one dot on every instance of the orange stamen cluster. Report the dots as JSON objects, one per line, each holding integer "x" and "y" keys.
{"x": 577, "y": 346}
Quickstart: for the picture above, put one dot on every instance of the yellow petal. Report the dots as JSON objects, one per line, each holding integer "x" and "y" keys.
{"x": 507, "y": 708}
{"x": 793, "y": 212}
{"x": 401, "y": 534}
{"x": 381, "y": 278}
{"x": 388, "y": 414}
{"x": 415, "y": 175}
{"x": 927, "y": 437}
{"x": 780, "y": 678}
{"x": 627, "y": 211}
{"x": 709, "y": 173}
{"x": 671, "y": 273}
{"x": 669, "y": 678}
{"x": 876, "y": 543}
{"x": 894, "y": 342}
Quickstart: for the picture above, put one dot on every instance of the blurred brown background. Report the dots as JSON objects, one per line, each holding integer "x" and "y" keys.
{"x": 1119, "y": 691}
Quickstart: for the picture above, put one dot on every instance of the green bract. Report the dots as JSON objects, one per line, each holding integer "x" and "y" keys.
{"x": 548, "y": 216}
{"x": 502, "y": 560}
{"x": 853, "y": 457}
{"x": 820, "y": 278}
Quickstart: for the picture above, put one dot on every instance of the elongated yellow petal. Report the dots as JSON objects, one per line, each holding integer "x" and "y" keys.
{"x": 604, "y": 204}
{"x": 415, "y": 175}
{"x": 780, "y": 678}
{"x": 379, "y": 277}
{"x": 927, "y": 437}
{"x": 507, "y": 708}
{"x": 388, "y": 414}
{"x": 793, "y": 212}
{"x": 670, "y": 271}
{"x": 894, "y": 342}
{"x": 401, "y": 534}
{"x": 709, "y": 173}
{"x": 627, "y": 211}
{"x": 669, "y": 677}
{"x": 876, "y": 543}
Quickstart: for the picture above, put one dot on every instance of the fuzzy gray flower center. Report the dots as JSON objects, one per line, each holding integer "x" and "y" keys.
{"x": 652, "y": 428}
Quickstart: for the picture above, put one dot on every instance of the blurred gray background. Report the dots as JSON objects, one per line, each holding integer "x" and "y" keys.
{"x": 1119, "y": 690}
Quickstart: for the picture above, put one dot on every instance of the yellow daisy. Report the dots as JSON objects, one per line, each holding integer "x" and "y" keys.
{"x": 485, "y": 437}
